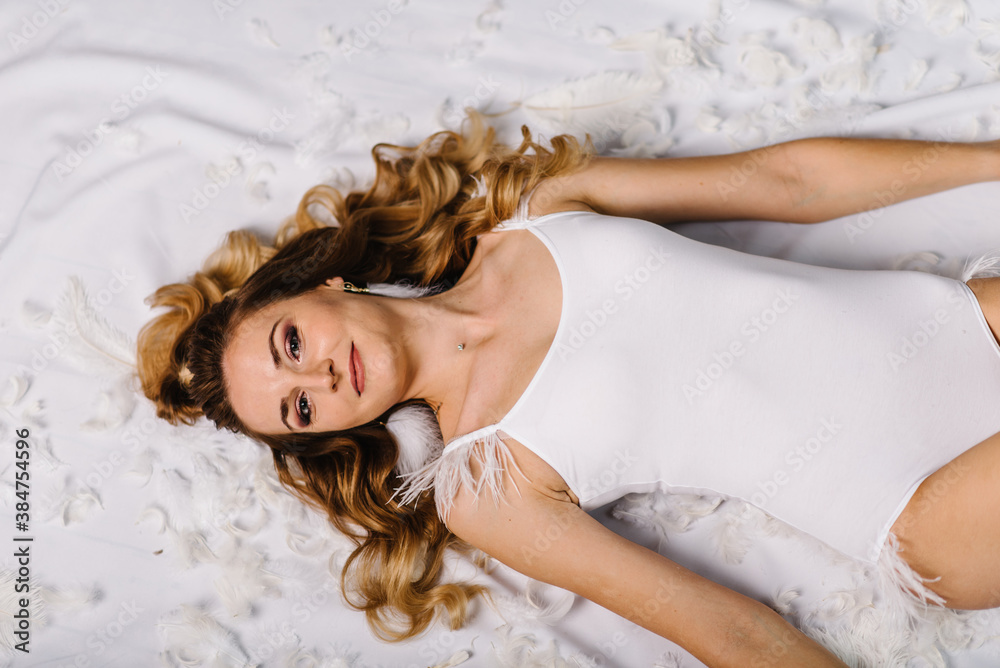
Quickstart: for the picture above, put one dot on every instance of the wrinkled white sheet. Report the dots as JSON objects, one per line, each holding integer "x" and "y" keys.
{"x": 135, "y": 135}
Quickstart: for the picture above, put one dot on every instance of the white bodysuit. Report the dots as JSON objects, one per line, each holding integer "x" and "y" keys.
{"x": 823, "y": 396}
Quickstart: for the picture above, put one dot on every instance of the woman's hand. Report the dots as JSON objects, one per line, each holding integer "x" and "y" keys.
{"x": 802, "y": 181}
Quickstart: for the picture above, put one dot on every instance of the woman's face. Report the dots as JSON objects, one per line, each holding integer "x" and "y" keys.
{"x": 322, "y": 361}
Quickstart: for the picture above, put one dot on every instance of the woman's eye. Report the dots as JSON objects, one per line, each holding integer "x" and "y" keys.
{"x": 293, "y": 343}
{"x": 303, "y": 409}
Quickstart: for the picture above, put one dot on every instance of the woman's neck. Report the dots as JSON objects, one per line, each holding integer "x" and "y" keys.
{"x": 440, "y": 336}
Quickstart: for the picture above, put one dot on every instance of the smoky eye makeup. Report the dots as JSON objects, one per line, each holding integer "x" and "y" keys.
{"x": 302, "y": 410}
{"x": 293, "y": 343}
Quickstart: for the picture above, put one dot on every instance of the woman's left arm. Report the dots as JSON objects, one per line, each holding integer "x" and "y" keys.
{"x": 801, "y": 181}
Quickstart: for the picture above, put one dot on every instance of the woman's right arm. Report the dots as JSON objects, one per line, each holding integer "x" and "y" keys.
{"x": 554, "y": 541}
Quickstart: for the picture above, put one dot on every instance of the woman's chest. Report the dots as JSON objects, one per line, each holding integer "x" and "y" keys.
{"x": 521, "y": 282}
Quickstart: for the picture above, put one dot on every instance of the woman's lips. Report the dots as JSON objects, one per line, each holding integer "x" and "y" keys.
{"x": 357, "y": 371}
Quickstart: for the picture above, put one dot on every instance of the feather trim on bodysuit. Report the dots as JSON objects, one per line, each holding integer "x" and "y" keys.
{"x": 445, "y": 475}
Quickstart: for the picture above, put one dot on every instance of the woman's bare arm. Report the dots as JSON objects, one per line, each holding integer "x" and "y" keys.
{"x": 802, "y": 181}
{"x": 554, "y": 541}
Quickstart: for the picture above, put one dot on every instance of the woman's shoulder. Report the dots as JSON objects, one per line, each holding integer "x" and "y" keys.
{"x": 485, "y": 466}
{"x": 496, "y": 466}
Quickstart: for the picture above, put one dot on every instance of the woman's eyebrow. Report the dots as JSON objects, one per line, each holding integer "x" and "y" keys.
{"x": 274, "y": 351}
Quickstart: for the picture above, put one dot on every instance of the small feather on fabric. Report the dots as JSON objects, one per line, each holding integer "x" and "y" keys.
{"x": 193, "y": 637}
{"x": 92, "y": 344}
{"x": 520, "y": 649}
{"x": 70, "y": 501}
{"x": 531, "y": 608}
{"x": 34, "y": 315}
{"x": 115, "y": 406}
{"x": 669, "y": 660}
{"x": 602, "y": 104}
{"x": 734, "y": 536}
{"x": 455, "y": 659}
{"x": 669, "y": 513}
{"x": 245, "y": 580}
{"x": 17, "y": 387}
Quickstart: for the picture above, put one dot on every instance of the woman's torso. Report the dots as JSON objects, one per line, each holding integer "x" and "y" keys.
{"x": 821, "y": 395}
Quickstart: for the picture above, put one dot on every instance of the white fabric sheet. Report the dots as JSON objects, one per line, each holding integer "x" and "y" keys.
{"x": 136, "y": 134}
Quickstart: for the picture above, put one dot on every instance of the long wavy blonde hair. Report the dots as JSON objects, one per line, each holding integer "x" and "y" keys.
{"x": 417, "y": 223}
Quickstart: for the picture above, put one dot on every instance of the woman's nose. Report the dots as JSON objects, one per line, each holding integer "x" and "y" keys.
{"x": 320, "y": 375}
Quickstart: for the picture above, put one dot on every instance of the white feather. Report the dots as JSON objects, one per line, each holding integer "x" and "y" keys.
{"x": 70, "y": 501}
{"x": 455, "y": 659}
{"x": 982, "y": 266}
{"x": 193, "y": 637}
{"x": 245, "y": 580}
{"x": 669, "y": 660}
{"x": 603, "y": 104}
{"x": 156, "y": 514}
{"x": 17, "y": 387}
{"x": 34, "y": 315}
{"x": 853, "y": 70}
{"x": 446, "y": 474}
{"x": 34, "y": 413}
{"x": 952, "y": 82}
{"x": 512, "y": 650}
{"x": 142, "y": 466}
{"x": 417, "y": 435}
{"x": 782, "y": 601}
{"x": 115, "y": 406}
{"x": 260, "y": 31}
{"x": 734, "y": 536}
{"x": 764, "y": 66}
{"x": 401, "y": 290}
{"x": 816, "y": 36}
{"x": 91, "y": 343}
{"x": 946, "y": 16}
{"x": 539, "y": 604}
{"x": 668, "y": 513}
{"x": 192, "y": 548}
{"x": 708, "y": 120}
{"x": 918, "y": 70}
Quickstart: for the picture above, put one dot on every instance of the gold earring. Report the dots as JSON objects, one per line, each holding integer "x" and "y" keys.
{"x": 350, "y": 287}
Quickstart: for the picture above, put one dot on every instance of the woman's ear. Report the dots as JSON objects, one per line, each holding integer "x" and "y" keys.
{"x": 336, "y": 283}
